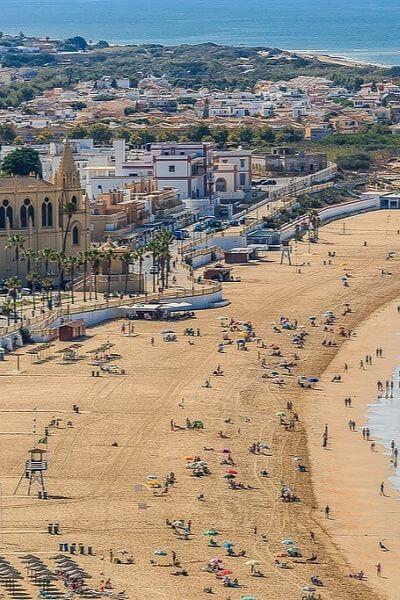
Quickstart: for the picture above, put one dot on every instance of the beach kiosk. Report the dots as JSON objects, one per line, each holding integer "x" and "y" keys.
{"x": 218, "y": 272}
{"x": 237, "y": 256}
{"x": 72, "y": 330}
{"x": 35, "y": 466}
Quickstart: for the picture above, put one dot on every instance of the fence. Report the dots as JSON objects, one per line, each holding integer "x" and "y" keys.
{"x": 42, "y": 323}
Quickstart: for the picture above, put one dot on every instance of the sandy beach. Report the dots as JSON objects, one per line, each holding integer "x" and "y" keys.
{"x": 101, "y": 468}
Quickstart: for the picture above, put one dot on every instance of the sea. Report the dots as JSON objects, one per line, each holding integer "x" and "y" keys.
{"x": 365, "y": 30}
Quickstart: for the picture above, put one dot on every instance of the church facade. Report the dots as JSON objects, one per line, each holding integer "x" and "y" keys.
{"x": 35, "y": 209}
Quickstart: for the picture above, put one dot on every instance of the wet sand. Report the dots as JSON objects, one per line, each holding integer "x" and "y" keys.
{"x": 92, "y": 484}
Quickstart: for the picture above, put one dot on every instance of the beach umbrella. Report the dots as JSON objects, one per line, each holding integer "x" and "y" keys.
{"x": 210, "y": 532}
{"x": 225, "y": 451}
{"x": 224, "y": 572}
{"x": 247, "y": 598}
{"x": 188, "y": 458}
{"x": 166, "y": 331}
{"x": 252, "y": 563}
{"x": 280, "y": 414}
{"x": 227, "y": 545}
{"x": 232, "y": 472}
{"x": 229, "y": 476}
{"x": 308, "y": 588}
{"x": 313, "y": 379}
{"x": 288, "y": 542}
{"x": 151, "y": 477}
{"x": 160, "y": 553}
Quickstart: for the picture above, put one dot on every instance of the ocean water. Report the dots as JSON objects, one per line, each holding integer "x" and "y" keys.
{"x": 383, "y": 420}
{"x": 363, "y": 29}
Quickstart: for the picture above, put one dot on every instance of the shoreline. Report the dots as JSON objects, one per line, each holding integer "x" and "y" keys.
{"x": 349, "y": 474}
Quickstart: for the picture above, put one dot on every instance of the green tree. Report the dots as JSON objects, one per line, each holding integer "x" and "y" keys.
{"x": 196, "y": 133}
{"x": 84, "y": 258}
{"x": 16, "y": 242}
{"x": 220, "y": 136}
{"x": 126, "y": 259}
{"x": 139, "y": 256}
{"x": 108, "y": 256}
{"x": 78, "y": 132}
{"x": 355, "y": 162}
{"x": 94, "y": 259}
{"x": 34, "y": 279}
{"x": 7, "y": 133}
{"x": 7, "y": 308}
{"x": 100, "y": 133}
{"x": 31, "y": 256}
{"x": 72, "y": 263}
{"x": 13, "y": 284}
{"x": 22, "y": 161}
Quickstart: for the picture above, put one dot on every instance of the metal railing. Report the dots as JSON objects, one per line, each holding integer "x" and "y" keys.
{"x": 43, "y": 324}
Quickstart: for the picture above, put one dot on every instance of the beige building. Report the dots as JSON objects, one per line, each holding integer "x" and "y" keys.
{"x": 34, "y": 208}
{"x": 133, "y": 205}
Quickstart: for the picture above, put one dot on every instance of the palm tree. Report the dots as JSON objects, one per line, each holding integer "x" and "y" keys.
{"x": 154, "y": 247}
{"x": 126, "y": 259}
{"x": 69, "y": 210}
{"x": 94, "y": 260}
{"x": 59, "y": 258}
{"x": 108, "y": 256}
{"x": 34, "y": 279}
{"x": 47, "y": 283}
{"x": 46, "y": 255}
{"x": 13, "y": 284}
{"x": 165, "y": 238}
{"x": 71, "y": 264}
{"x": 139, "y": 255}
{"x": 84, "y": 259}
{"x": 30, "y": 255}
{"x": 16, "y": 242}
{"x": 7, "y": 308}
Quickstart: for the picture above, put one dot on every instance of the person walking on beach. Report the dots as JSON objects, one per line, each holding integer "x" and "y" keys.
{"x": 361, "y": 365}
{"x": 378, "y": 570}
{"x": 367, "y": 433}
{"x": 327, "y": 511}
{"x": 363, "y": 432}
{"x": 382, "y": 489}
{"x": 346, "y": 368}
{"x": 373, "y": 446}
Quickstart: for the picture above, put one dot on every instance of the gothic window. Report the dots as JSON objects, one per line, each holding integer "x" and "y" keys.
{"x": 47, "y": 213}
{"x": 26, "y": 214}
{"x": 6, "y": 213}
{"x": 75, "y": 235}
{"x": 74, "y": 201}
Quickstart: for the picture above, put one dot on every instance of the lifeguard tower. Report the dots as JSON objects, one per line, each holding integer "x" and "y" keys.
{"x": 35, "y": 467}
{"x": 286, "y": 251}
